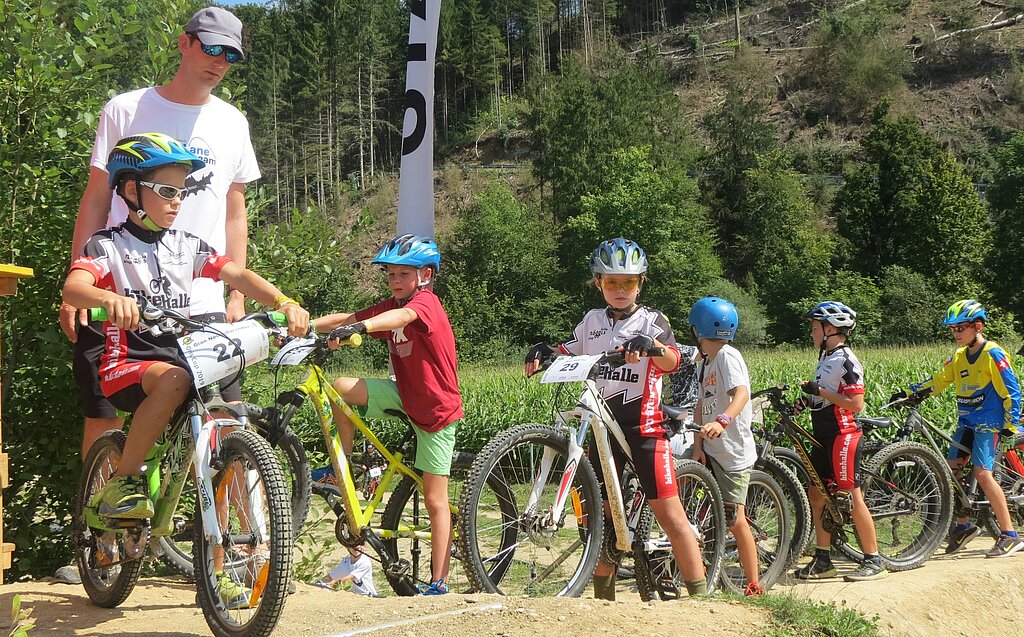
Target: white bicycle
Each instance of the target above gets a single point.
(243, 517)
(531, 520)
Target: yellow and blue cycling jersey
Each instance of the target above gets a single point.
(987, 391)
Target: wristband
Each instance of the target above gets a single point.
(282, 300)
(366, 326)
(724, 419)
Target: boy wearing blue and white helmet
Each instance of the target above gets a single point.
(726, 442)
(834, 398)
(426, 386)
(988, 409)
(619, 267)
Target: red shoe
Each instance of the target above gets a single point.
(754, 589)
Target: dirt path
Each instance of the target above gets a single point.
(963, 595)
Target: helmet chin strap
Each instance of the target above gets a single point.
(148, 223)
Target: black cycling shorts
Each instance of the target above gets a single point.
(652, 460)
(86, 363)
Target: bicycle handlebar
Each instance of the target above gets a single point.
(151, 316)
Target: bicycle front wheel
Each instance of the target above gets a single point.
(251, 497)
(510, 540)
(657, 574)
(907, 490)
(767, 514)
(407, 523)
(800, 515)
(109, 562)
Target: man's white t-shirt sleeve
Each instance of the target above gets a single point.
(248, 168)
(108, 133)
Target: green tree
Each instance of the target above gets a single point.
(658, 209)
(581, 117)
(1006, 201)
(784, 250)
(911, 204)
(499, 276)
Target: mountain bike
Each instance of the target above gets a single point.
(905, 487)
(242, 517)
(532, 520)
(968, 498)
(402, 534)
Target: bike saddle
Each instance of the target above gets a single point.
(869, 424)
(675, 413)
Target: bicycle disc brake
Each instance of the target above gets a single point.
(136, 539)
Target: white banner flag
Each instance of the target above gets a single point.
(416, 177)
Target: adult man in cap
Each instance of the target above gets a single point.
(213, 205)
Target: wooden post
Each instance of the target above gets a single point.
(9, 275)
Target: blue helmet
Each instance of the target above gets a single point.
(713, 317)
(835, 313)
(140, 153)
(967, 311)
(412, 250)
(618, 256)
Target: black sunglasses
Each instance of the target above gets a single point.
(213, 50)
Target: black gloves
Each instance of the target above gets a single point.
(540, 352)
(810, 387)
(900, 395)
(346, 331)
(640, 343)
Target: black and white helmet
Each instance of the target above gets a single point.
(834, 312)
(618, 256)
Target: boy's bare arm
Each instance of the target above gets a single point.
(328, 322)
(740, 397)
(390, 320)
(80, 291)
(256, 287)
(667, 361)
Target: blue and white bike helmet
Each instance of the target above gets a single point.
(412, 250)
(714, 317)
(618, 256)
(834, 313)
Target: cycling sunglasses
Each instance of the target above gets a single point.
(960, 328)
(165, 191)
(620, 285)
(213, 50)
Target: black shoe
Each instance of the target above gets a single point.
(958, 538)
(818, 568)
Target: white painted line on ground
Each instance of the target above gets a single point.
(425, 618)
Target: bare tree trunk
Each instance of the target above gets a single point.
(362, 128)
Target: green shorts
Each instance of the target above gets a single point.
(734, 484)
(434, 450)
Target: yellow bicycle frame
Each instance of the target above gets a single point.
(322, 394)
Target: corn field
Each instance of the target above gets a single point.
(497, 397)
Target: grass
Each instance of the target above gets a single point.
(793, 616)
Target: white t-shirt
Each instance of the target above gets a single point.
(362, 571)
(734, 449)
(218, 133)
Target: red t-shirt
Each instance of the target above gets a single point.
(423, 359)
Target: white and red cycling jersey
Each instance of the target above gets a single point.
(156, 266)
(839, 371)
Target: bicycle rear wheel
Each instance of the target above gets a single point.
(906, 487)
(406, 515)
(252, 502)
(108, 562)
(657, 574)
(512, 548)
(767, 513)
